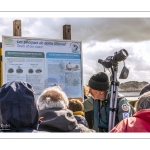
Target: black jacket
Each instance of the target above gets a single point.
(81, 120)
(60, 120)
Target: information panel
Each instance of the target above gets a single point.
(43, 63)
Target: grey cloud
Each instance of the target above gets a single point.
(105, 29)
(141, 65)
(86, 29)
(92, 43)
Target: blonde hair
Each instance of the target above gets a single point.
(86, 90)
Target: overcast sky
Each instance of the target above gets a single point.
(100, 37)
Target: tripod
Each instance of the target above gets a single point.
(113, 97)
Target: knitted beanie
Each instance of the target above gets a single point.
(99, 81)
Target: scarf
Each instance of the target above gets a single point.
(78, 113)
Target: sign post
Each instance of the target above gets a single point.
(17, 28)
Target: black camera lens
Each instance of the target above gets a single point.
(113, 60)
(120, 55)
(124, 53)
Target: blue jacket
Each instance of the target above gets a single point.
(18, 109)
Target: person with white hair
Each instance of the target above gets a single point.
(55, 117)
(140, 121)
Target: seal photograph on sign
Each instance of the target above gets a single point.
(38, 71)
(71, 67)
(11, 70)
(19, 70)
(30, 70)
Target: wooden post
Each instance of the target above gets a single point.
(67, 32)
(17, 28)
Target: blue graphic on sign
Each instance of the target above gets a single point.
(75, 48)
(63, 55)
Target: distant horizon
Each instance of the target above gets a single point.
(135, 81)
(128, 81)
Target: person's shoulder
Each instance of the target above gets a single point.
(122, 99)
(79, 117)
(89, 98)
(121, 96)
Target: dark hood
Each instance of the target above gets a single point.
(57, 119)
(18, 106)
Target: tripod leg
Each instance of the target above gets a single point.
(115, 104)
(113, 100)
(99, 115)
(111, 106)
